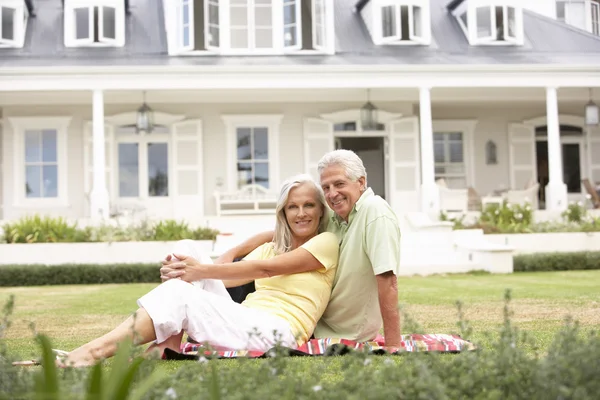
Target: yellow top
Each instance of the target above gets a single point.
(301, 298)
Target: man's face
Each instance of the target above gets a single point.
(340, 192)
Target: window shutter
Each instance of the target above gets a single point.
(188, 200)
(318, 140)
(522, 156)
(404, 164)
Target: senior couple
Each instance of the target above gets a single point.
(331, 274)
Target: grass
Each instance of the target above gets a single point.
(73, 315)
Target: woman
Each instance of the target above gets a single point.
(293, 277)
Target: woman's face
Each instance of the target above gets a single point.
(303, 211)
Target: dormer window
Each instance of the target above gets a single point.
(13, 22)
(91, 23)
(249, 27)
(397, 21)
(490, 22)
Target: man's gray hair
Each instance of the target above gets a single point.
(346, 159)
(283, 233)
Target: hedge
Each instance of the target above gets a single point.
(556, 261)
(86, 274)
(78, 274)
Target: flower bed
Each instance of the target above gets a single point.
(519, 219)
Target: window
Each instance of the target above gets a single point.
(560, 10)
(252, 156)
(94, 23)
(41, 163)
(494, 22)
(13, 22)
(40, 160)
(448, 150)
(595, 16)
(250, 26)
(142, 162)
(404, 23)
(252, 150)
(397, 21)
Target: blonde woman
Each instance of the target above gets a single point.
(293, 277)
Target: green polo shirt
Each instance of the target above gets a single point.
(369, 246)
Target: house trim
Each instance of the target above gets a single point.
(20, 125)
(128, 118)
(574, 120)
(354, 115)
(295, 77)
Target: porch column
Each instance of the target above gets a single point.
(430, 195)
(556, 190)
(99, 195)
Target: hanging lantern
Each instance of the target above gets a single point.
(145, 118)
(368, 116)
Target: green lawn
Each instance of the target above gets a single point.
(72, 315)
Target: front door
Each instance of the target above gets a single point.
(572, 159)
(371, 151)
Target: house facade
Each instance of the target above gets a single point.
(445, 102)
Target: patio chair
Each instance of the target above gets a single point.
(595, 197)
(529, 195)
(454, 200)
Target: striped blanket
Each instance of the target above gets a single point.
(442, 343)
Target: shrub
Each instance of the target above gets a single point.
(505, 369)
(556, 261)
(507, 217)
(78, 274)
(575, 212)
(37, 229)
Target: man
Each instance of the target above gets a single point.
(365, 289)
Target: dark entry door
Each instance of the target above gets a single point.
(371, 150)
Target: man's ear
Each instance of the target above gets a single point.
(363, 183)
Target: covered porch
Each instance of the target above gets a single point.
(434, 148)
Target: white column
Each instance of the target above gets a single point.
(99, 196)
(556, 190)
(430, 194)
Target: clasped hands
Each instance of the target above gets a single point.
(178, 266)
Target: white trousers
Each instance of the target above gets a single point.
(206, 312)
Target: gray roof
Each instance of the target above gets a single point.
(546, 42)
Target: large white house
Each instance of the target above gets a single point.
(449, 103)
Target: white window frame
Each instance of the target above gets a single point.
(467, 128)
(142, 139)
(470, 28)
(21, 16)
(22, 124)
(270, 121)
(594, 6)
(174, 21)
(70, 29)
(423, 39)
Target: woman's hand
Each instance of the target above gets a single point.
(181, 267)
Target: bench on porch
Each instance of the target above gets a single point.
(249, 199)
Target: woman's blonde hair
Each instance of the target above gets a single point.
(283, 232)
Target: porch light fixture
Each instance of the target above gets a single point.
(368, 115)
(592, 113)
(144, 121)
